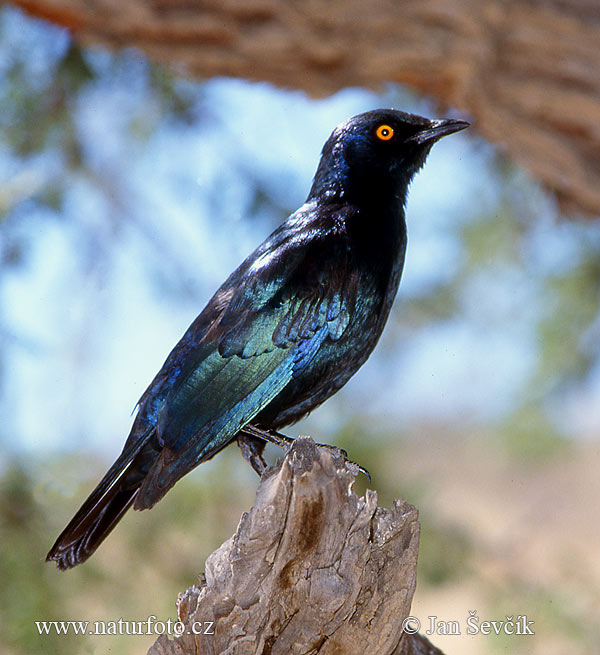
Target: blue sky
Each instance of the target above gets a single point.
(88, 325)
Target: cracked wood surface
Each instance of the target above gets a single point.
(526, 71)
(312, 568)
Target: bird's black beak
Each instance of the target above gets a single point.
(437, 129)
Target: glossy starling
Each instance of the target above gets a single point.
(284, 332)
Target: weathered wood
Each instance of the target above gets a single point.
(312, 568)
(525, 70)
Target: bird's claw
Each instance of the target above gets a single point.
(247, 440)
(353, 466)
(357, 468)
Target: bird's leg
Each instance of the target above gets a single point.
(271, 436)
(251, 432)
(252, 448)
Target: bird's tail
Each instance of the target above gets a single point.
(105, 505)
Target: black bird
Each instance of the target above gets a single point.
(284, 332)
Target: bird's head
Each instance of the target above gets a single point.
(372, 157)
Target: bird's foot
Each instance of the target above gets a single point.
(250, 434)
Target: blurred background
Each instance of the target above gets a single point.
(127, 195)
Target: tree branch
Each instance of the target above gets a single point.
(526, 70)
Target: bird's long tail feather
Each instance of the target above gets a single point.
(103, 508)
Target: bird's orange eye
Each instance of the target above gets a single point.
(384, 132)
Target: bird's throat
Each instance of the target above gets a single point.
(378, 235)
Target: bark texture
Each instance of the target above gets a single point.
(312, 568)
(527, 71)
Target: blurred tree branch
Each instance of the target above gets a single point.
(526, 70)
(311, 568)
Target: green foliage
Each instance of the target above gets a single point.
(553, 612)
(529, 435)
(568, 329)
(27, 593)
(160, 550)
(444, 552)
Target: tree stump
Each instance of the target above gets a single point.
(312, 568)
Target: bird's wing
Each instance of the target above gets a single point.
(269, 321)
